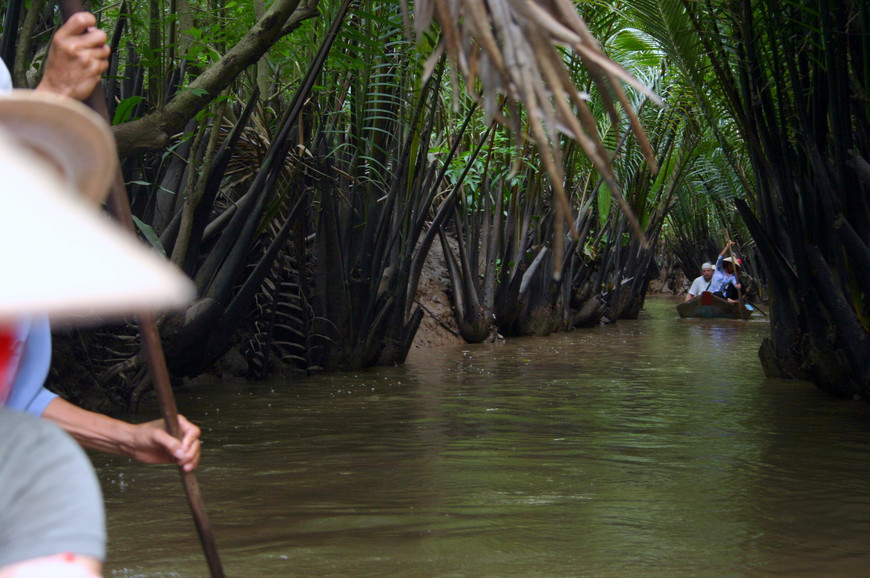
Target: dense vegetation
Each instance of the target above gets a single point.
(298, 160)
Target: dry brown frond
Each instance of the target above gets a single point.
(509, 46)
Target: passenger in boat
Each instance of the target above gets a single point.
(725, 283)
(702, 283)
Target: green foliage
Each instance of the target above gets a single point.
(364, 121)
(605, 198)
(125, 108)
(150, 234)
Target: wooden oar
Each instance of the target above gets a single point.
(759, 309)
(119, 205)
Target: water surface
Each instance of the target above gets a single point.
(652, 447)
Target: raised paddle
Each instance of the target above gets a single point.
(734, 268)
(119, 205)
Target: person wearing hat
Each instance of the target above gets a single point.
(77, 58)
(725, 283)
(702, 283)
(51, 517)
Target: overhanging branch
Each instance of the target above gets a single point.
(152, 131)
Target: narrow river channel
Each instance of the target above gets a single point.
(653, 447)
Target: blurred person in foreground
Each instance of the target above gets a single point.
(51, 513)
(77, 59)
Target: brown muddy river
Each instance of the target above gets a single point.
(653, 447)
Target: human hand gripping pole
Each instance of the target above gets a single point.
(734, 268)
(119, 206)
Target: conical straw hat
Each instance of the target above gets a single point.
(66, 134)
(59, 254)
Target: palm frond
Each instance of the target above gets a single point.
(510, 47)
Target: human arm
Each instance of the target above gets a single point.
(147, 442)
(726, 249)
(77, 58)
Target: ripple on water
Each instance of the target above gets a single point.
(650, 447)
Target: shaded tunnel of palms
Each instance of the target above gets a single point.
(305, 213)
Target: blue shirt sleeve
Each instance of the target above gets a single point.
(28, 392)
(718, 276)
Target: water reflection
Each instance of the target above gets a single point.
(651, 447)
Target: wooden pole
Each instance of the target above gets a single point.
(119, 205)
(734, 268)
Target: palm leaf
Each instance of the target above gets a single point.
(509, 47)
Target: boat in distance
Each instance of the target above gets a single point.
(709, 306)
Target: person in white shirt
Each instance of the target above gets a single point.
(702, 283)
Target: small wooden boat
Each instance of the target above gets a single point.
(710, 306)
